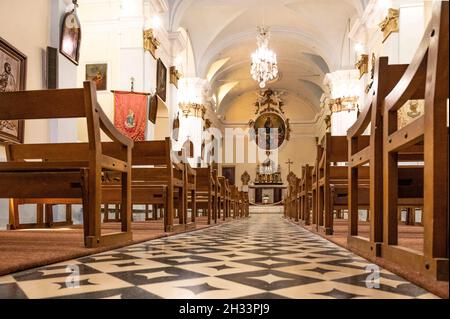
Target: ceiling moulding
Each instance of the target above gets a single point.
(164, 50)
(308, 40)
(367, 25)
(158, 6)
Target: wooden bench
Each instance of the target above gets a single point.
(245, 204)
(290, 200)
(332, 180)
(191, 195)
(158, 168)
(235, 201)
(71, 170)
(226, 197)
(305, 195)
(207, 192)
(363, 151)
(426, 77)
(157, 179)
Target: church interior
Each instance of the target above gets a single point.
(212, 149)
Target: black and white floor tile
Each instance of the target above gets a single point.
(258, 258)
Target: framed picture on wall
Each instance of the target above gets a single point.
(71, 37)
(98, 73)
(161, 80)
(153, 109)
(229, 173)
(13, 68)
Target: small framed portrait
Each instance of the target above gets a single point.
(13, 67)
(161, 80)
(98, 73)
(71, 37)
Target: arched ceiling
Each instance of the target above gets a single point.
(307, 35)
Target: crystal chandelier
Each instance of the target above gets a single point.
(264, 66)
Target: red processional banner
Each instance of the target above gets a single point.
(130, 115)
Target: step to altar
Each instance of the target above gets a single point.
(266, 209)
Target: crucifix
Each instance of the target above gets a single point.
(289, 162)
(132, 84)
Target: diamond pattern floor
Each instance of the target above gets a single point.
(261, 257)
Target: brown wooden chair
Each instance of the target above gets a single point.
(70, 170)
(425, 78)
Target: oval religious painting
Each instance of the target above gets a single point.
(270, 130)
(71, 37)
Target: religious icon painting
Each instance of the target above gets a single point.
(161, 80)
(13, 66)
(98, 73)
(270, 130)
(71, 37)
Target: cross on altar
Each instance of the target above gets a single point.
(289, 162)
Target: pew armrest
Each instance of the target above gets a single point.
(111, 131)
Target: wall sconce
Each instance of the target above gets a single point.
(344, 104)
(363, 65)
(207, 125)
(175, 76)
(193, 109)
(151, 44)
(390, 23)
(327, 121)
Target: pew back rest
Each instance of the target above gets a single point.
(157, 153)
(204, 177)
(57, 104)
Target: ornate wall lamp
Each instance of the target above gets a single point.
(390, 23)
(363, 65)
(175, 76)
(151, 44)
(193, 109)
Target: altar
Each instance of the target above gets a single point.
(265, 194)
(268, 187)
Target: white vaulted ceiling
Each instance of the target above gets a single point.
(307, 35)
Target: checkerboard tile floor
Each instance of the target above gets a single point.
(261, 257)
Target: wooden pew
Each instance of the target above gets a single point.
(363, 152)
(305, 195)
(157, 179)
(70, 170)
(291, 200)
(191, 193)
(206, 189)
(160, 169)
(219, 199)
(236, 201)
(245, 204)
(426, 77)
(332, 180)
(226, 196)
